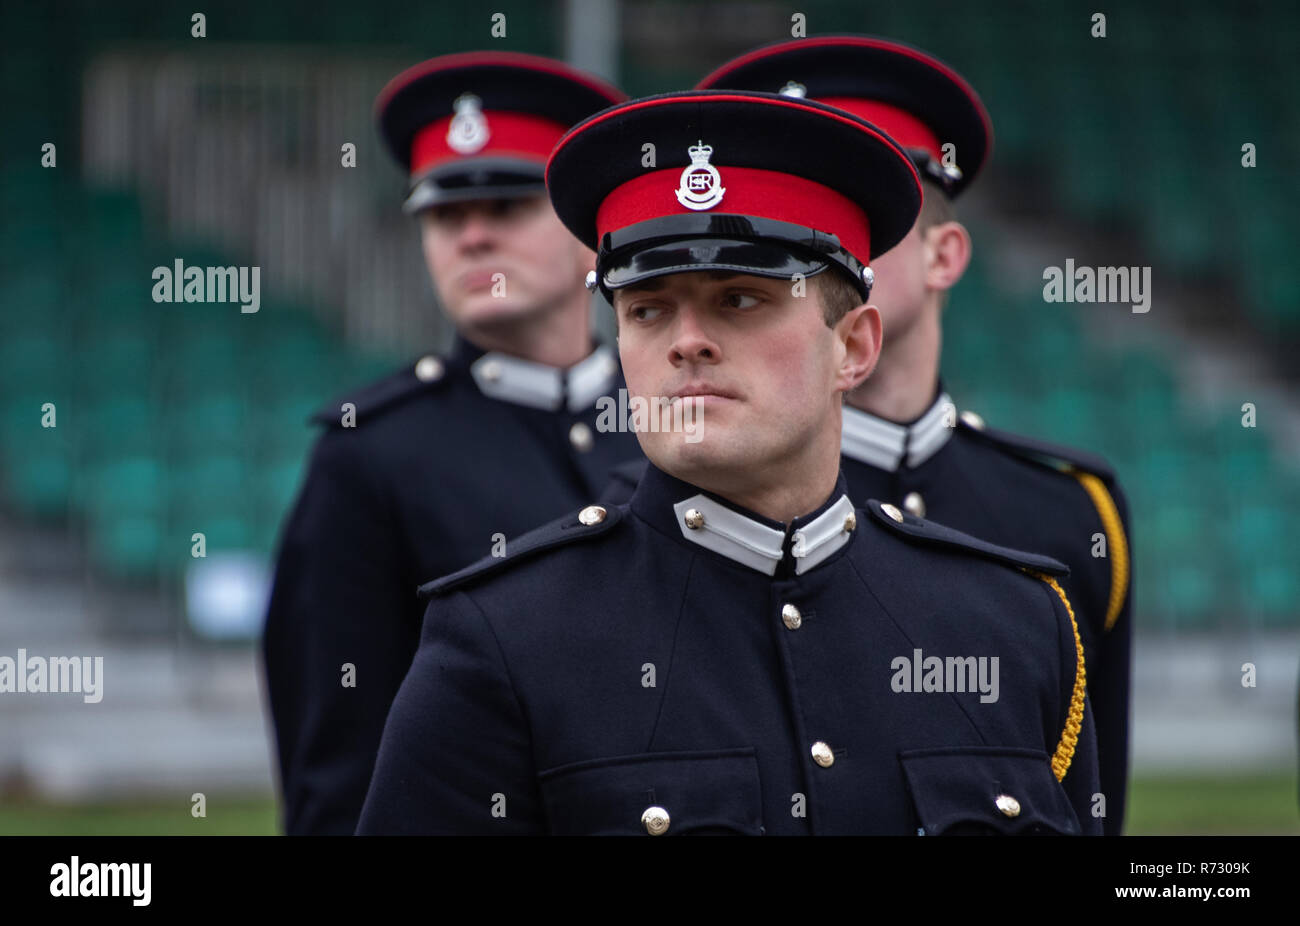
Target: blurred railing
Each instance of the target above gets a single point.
(242, 148)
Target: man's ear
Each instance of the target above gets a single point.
(947, 254)
(860, 332)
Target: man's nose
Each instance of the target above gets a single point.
(476, 232)
(692, 343)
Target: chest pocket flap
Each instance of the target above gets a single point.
(671, 793)
(985, 790)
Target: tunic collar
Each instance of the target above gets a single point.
(537, 385)
(885, 445)
(704, 519)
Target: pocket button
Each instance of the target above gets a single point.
(655, 820)
(1008, 805)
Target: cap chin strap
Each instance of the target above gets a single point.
(945, 175)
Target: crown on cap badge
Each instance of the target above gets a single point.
(468, 131)
(700, 186)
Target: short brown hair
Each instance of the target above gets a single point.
(936, 207)
(838, 293)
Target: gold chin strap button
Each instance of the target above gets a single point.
(592, 514)
(655, 820)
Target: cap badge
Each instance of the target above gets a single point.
(700, 187)
(794, 89)
(468, 131)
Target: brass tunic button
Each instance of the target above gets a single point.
(914, 503)
(822, 754)
(694, 518)
(592, 514)
(1008, 805)
(655, 820)
(850, 522)
(791, 617)
(892, 512)
(972, 420)
(580, 437)
(428, 369)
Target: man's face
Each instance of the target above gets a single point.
(900, 288)
(498, 261)
(767, 370)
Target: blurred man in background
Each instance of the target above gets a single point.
(903, 441)
(432, 468)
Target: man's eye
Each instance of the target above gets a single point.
(447, 215)
(644, 313)
(740, 301)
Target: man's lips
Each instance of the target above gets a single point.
(476, 279)
(700, 391)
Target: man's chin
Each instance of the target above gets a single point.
(698, 462)
(484, 311)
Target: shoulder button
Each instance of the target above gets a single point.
(592, 514)
(972, 420)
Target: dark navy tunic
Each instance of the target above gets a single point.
(623, 671)
(1030, 495)
(446, 459)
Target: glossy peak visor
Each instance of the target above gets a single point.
(737, 243)
(476, 178)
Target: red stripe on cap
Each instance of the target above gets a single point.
(615, 112)
(902, 126)
(509, 134)
(767, 194)
(856, 41)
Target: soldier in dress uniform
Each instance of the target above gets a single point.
(903, 439)
(430, 469)
(740, 649)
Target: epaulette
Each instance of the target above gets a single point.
(1036, 450)
(935, 534)
(1093, 474)
(591, 521)
(426, 373)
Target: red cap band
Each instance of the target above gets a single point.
(899, 124)
(516, 135)
(766, 194)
